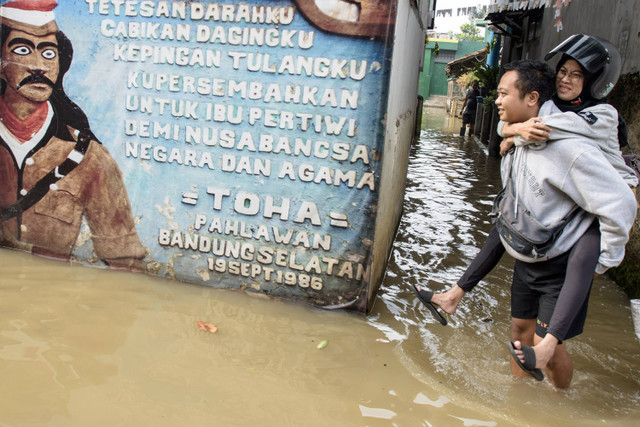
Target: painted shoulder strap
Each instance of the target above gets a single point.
(48, 181)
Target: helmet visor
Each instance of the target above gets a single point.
(587, 51)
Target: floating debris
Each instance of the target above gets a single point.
(323, 344)
(207, 327)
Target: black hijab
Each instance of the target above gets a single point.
(584, 100)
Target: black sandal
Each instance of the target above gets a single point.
(425, 296)
(529, 365)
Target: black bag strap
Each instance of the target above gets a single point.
(632, 160)
(43, 186)
(495, 212)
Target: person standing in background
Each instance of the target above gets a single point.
(469, 107)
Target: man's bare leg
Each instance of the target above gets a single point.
(448, 301)
(560, 368)
(522, 331)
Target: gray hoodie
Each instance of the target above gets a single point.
(573, 171)
(599, 122)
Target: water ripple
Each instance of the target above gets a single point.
(450, 187)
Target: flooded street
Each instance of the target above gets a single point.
(86, 347)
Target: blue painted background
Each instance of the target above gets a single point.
(98, 84)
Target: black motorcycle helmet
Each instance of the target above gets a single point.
(597, 56)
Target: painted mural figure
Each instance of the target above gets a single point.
(53, 170)
(360, 18)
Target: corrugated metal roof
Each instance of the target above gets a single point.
(468, 62)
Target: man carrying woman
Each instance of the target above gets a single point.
(555, 303)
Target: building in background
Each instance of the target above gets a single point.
(452, 14)
(438, 53)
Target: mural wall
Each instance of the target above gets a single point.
(229, 144)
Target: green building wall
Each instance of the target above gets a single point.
(433, 79)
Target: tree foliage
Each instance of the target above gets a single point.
(487, 75)
(469, 32)
(466, 79)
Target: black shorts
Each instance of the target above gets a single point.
(534, 293)
(469, 117)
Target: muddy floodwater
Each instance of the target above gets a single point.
(87, 347)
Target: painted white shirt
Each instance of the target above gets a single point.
(21, 149)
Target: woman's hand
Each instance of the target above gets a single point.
(533, 130)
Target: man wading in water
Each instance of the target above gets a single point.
(572, 172)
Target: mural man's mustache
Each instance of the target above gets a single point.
(35, 78)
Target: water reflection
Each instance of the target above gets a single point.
(84, 347)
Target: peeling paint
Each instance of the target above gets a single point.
(204, 274)
(146, 166)
(154, 267)
(167, 211)
(85, 234)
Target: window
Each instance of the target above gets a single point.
(445, 56)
